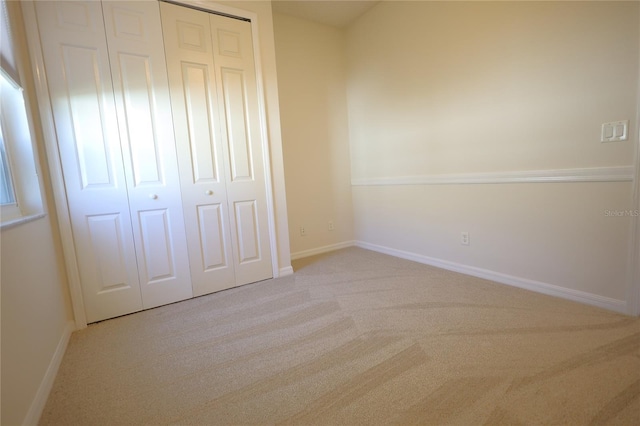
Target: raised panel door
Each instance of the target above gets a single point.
(136, 50)
(242, 137)
(77, 67)
(201, 153)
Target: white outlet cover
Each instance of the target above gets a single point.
(615, 131)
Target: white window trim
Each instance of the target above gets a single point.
(22, 154)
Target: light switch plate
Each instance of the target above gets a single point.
(615, 131)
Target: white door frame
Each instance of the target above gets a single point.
(633, 294)
(53, 155)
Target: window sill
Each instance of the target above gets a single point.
(21, 221)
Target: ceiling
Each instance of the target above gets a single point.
(335, 13)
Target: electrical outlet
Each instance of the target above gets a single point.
(464, 238)
(303, 231)
(331, 227)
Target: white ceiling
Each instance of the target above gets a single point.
(335, 13)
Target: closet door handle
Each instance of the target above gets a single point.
(153, 196)
(208, 192)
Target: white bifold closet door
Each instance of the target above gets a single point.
(107, 78)
(215, 110)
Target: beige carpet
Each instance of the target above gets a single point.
(355, 337)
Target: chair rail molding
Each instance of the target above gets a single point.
(593, 174)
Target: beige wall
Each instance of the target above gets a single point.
(441, 88)
(35, 309)
(451, 87)
(35, 312)
(315, 134)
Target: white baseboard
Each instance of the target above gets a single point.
(323, 249)
(39, 401)
(524, 283)
(283, 272)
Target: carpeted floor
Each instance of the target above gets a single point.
(355, 337)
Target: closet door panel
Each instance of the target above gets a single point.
(84, 84)
(196, 89)
(246, 219)
(106, 238)
(140, 121)
(201, 154)
(211, 222)
(246, 186)
(79, 80)
(158, 252)
(235, 108)
(136, 50)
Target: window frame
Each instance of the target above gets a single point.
(19, 132)
(5, 170)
